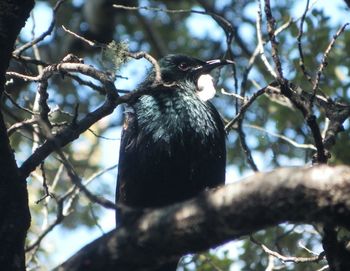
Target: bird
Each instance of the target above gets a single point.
(173, 138)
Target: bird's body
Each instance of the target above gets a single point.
(172, 148)
(173, 141)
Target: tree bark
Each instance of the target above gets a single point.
(152, 237)
(14, 211)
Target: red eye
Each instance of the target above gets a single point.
(183, 66)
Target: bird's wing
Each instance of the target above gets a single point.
(125, 161)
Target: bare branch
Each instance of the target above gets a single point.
(244, 108)
(59, 218)
(48, 32)
(239, 120)
(323, 268)
(77, 181)
(300, 48)
(161, 10)
(321, 156)
(70, 133)
(249, 67)
(61, 212)
(45, 185)
(66, 67)
(286, 259)
(87, 41)
(20, 125)
(244, 145)
(8, 95)
(66, 136)
(287, 139)
(324, 60)
(261, 43)
(138, 55)
(29, 60)
(271, 22)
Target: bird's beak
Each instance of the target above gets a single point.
(205, 83)
(210, 65)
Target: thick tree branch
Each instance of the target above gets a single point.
(336, 251)
(298, 195)
(14, 212)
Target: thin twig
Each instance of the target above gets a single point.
(161, 9)
(102, 137)
(285, 138)
(29, 60)
(271, 23)
(307, 249)
(87, 41)
(244, 145)
(78, 182)
(270, 263)
(245, 107)
(285, 259)
(89, 84)
(300, 48)
(321, 156)
(18, 125)
(48, 32)
(284, 26)
(138, 55)
(44, 108)
(76, 189)
(70, 67)
(261, 42)
(249, 67)
(45, 185)
(323, 268)
(229, 31)
(59, 218)
(40, 105)
(8, 95)
(95, 218)
(324, 61)
(237, 96)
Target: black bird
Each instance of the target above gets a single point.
(173, 139)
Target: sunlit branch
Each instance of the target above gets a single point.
(286, 259)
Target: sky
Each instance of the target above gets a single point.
(201, 26)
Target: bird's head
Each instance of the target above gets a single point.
(181, 68)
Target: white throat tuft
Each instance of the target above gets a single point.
(206, 89)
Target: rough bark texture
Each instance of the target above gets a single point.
(299, 195)
(14, 212)
(337, 252)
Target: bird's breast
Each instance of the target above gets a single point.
(175, 118)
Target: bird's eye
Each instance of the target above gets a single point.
(183, 66)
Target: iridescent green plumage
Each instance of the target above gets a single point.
(173, 142)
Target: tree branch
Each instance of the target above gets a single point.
(14, 211)
(152, 237)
